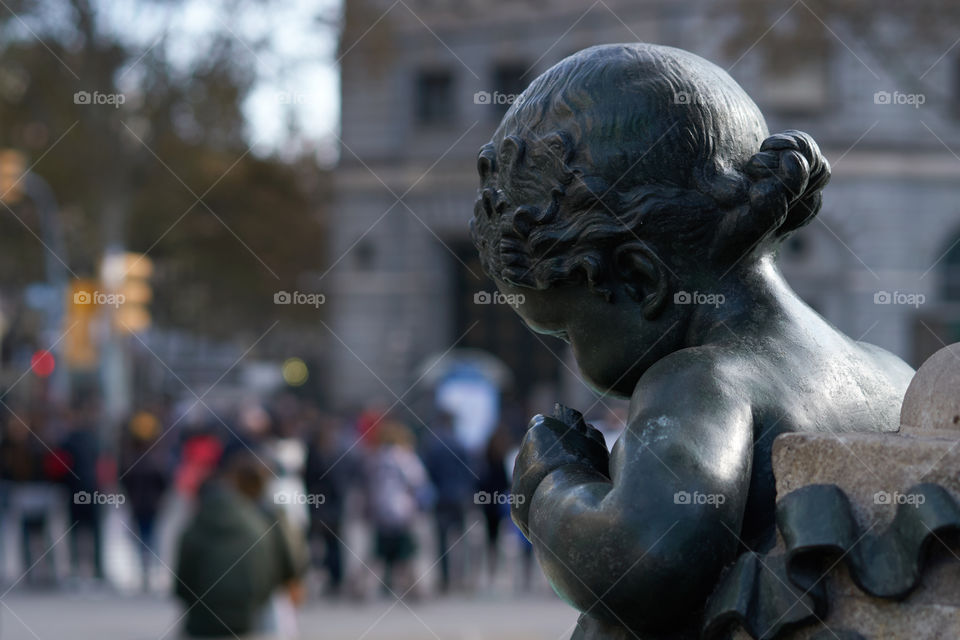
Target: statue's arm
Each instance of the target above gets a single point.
(648, 542)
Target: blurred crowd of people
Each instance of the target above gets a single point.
(51, 466)
(270, 499)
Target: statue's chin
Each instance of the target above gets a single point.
(621, 386)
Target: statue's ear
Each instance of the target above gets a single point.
(644, 277)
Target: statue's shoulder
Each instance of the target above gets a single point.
(891, 364)
(709, 364)
(708, 376)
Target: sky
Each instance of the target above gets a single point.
(297, 70)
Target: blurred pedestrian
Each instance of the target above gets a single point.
(446, 460)
(27, 497)
(251, 430)
(200, 452)
(240, 565)
(82, 449)
(368, 423)
(144, 470)
(398, 488)
(287, 453)
(327, 475)
(494, 487)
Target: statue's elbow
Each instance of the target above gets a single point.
(645, 587)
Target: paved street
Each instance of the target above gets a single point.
(45, 616)
(75, 613)
(492, 611)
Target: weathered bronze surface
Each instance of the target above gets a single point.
(635, 197)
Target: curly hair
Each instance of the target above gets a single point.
(631, 143)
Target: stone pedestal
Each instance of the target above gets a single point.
(876, 473)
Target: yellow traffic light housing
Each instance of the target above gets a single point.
(126, 276)
(13, 164)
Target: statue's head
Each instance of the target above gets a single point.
(627, 173)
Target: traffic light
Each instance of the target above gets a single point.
(125, 277)
(79, 341)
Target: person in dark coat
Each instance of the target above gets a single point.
(494, 482)
(21, 484)
(327, 473)
(446, 460)
(144, 475)
(82, 449)
(235, 555)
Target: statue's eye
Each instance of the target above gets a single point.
(560, 146)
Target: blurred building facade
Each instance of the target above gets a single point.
(425, 82)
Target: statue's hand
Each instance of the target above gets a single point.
(550, 443)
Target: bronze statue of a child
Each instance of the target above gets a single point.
(634, 196)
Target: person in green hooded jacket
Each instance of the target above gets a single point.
(235, 554)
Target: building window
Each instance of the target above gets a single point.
(434, 96)
(364, 254)
(509, 81)
(955, 87)
(950, 272)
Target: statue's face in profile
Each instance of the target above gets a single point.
(613, 339)
(612, 342)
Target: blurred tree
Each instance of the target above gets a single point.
(168, 171)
